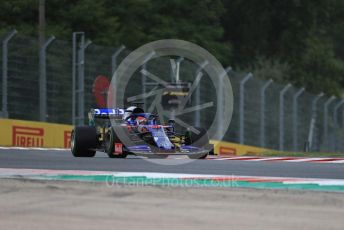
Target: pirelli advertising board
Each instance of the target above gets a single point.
(34, 134)
(227, 149)
(47, 135)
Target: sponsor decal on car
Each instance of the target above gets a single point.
(109, 111)
(118, 148)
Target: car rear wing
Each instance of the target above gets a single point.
(107, 113)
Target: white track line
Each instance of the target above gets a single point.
(270, 159)
(37, 173)
(307, 159)
(234, 158)
(283, 159)
(33, 148)
(336, 162)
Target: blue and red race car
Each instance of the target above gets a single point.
(120, 132)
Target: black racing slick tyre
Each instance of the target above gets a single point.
(84, 141)
(111, 139)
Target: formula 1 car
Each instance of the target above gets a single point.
(119, 132)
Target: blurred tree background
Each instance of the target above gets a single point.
(297, 41)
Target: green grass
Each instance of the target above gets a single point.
(299, 154)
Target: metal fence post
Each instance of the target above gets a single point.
(325, 123)
(313, 120)
(74, 69)
(178, 62)
(296, 118)
(144, 89)
(175, 69)
(174, 75)
(144, 79)
(220, 118)
(281, 116)
(4, 72)
(314, 103)
(241, 108)
(114, 58)
(342, 129)
(81, 82)
(335, 119)
(335, 112)
(43, 80)
(198, 95)
(262, 112)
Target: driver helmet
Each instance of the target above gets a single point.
(128, 112)
(141, 120)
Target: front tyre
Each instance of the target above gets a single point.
(111, 140)
(84, 141)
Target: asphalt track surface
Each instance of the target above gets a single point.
(63, 160)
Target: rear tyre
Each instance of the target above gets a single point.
(84, 141)
(111, 139)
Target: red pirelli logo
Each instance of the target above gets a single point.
(66, 138)
(27, 136)
(226, 151)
